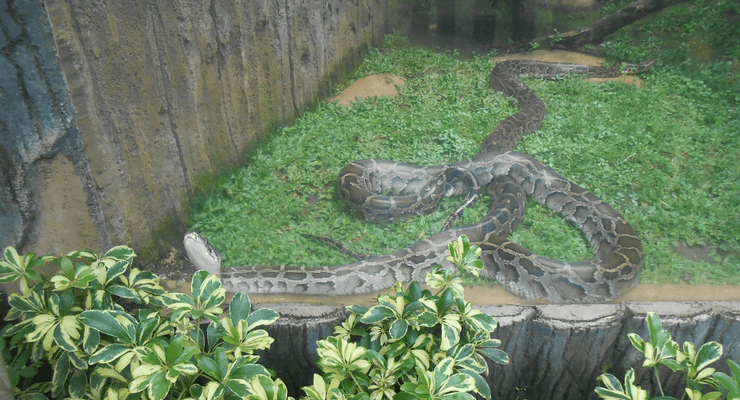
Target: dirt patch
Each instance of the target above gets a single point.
(174, 267)
(700, 49)
(695, 253)
(496, 295)
(554, 56)
(370, 86)
(679, 292)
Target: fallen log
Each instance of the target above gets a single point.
(595, 33)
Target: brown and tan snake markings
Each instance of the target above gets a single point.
(509, 177)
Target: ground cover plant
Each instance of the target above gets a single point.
(665, 156)
(703, 381)
(101, 328)
(414, 344)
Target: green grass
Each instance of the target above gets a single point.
(667, 157)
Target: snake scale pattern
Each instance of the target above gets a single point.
(509, 177)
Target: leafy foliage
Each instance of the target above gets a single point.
(107, 332)
(413, 344)
(660, 349)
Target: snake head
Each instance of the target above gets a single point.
(202, 253)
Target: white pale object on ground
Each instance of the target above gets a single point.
(202, 254)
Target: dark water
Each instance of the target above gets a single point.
(481, 26)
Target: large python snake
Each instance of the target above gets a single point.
(509, 177)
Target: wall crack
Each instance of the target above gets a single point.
(166, 87)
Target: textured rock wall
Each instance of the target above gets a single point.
(45, 184)
(112, 111)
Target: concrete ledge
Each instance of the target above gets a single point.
(556, 351)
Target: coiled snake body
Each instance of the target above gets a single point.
(509, 178)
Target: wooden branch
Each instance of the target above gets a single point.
(597, 31)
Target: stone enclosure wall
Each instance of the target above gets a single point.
(112, 111)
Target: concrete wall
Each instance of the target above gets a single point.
(112, 111)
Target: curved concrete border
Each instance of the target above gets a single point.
(556, 351)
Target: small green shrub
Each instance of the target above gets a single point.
(660, 349)
(414, 344)
(98, 330)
